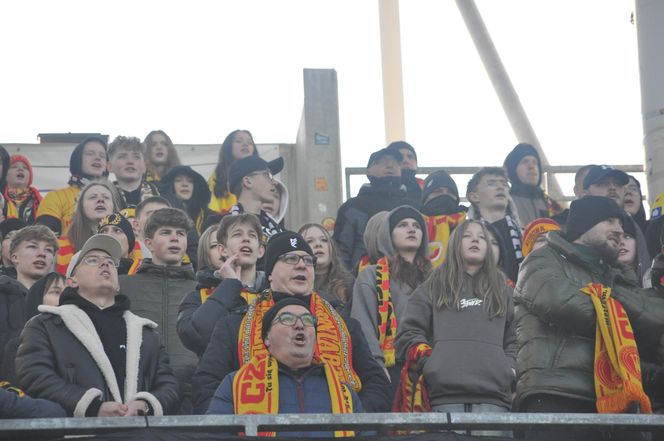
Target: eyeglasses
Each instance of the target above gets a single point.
(293, 259)
(289, 319)
(98, 260)
(266, 173)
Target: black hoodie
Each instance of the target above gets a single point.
(197, 206)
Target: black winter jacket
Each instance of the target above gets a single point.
(12, 312)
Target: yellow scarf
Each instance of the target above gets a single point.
(256, 391)
(617, 365)
(412, 396)
(439, 229)
(333, 342)
(246, 295)
(387, 321)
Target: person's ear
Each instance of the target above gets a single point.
(223, 250)
(266, 342)
(473, 197)
(14, 259)
(71, 282)
(148, 243)
(261, 251)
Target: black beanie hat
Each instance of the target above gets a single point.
(9, 225)
(587, 212)
(404, 212)
(118, 220)
(398, 145)
(375, 156)
(76, 158)
(438, 179)
(515, 156)
(282, 243)
(271, 313)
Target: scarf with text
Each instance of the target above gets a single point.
(387, 321)
(256, 391)
(439, 228)
(617, 364)
(333, 342)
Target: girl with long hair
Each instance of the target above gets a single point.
(160, 155)
(237, 145)
(458, 332)
(382, 290)
(96, 200)
(332, 280)
(186, 189)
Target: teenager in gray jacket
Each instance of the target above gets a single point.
(463, 316)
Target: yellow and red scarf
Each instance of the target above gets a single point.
(246, 295)
(617, 364)
(412, 396)
(439, 229)
(256, 390)
(387, 321)
(333, 342)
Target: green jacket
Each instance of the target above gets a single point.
(555, 322)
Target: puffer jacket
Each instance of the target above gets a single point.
(155, 293)
(555, 322)
(473, 354)
(58, 360)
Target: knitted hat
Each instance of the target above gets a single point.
(515, 156)
(375, 156)
(118, 220)
(76, 158)
(436, 180)
(271, 313)
(587, 212)
(398, 145)
(599, 172)
(282, 243)
(245, 166)
(405, 212)
(20, 158)
(534, 230)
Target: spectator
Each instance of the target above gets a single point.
(488, 193)
(579, 177)
(117, 226)
(161, 155)
(442, 212)
(627, 249)
(534, 235)
(408, 164)
(91, 354)
(86, 163)
(633, 203)
(370, 239)
(233, 286)
(278, 206)
(4, 168)
(556, 317)
(237, 145)
(332, 280)
(97, 200)
(458, 331)
(384, 192)
(208, 254)
(127, 162)
(21, 198)
(499, 250)
(32, 252)
(251, 180)
(187, 190)
(655, 277)
(524, 169)
(8, 228)
(381, 291)
(16, 405)
(295, 380)
(289, 266)
(160, 284)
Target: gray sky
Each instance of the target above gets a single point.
(200, 69)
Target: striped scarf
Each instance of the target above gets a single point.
(412, 396)
(439, 228)
(387, 321)
(246, 295)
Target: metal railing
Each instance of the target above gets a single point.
(251, 425)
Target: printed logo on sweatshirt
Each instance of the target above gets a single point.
(465, 303)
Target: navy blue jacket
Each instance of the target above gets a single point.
(13, 406)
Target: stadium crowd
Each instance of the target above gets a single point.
(165, 293)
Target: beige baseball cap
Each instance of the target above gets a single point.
(103, 242)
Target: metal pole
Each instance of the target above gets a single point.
(650, 33)
(503, 86)
(390, 48)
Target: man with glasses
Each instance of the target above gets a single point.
(488, 192)
(236, 340)
(289, 367)
(91, 354)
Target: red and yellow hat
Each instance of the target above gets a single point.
(534, 230)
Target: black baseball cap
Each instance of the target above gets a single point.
(243, 167)
(599, 172)
(387, 151)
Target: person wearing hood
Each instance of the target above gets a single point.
(21, 198)
(633, 203)
(370, 239)
(231, 286)
(442, 212)
(186, 189)
(159, 286)
(87, 162)
(524, 169)
(278, 206)
(382, 291)
(91, 354)
(383, 192)
(8, 229)
(412, 183)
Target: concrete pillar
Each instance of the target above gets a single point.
(650, 32)
(502, 84)
(390, 48)
(317, 194)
